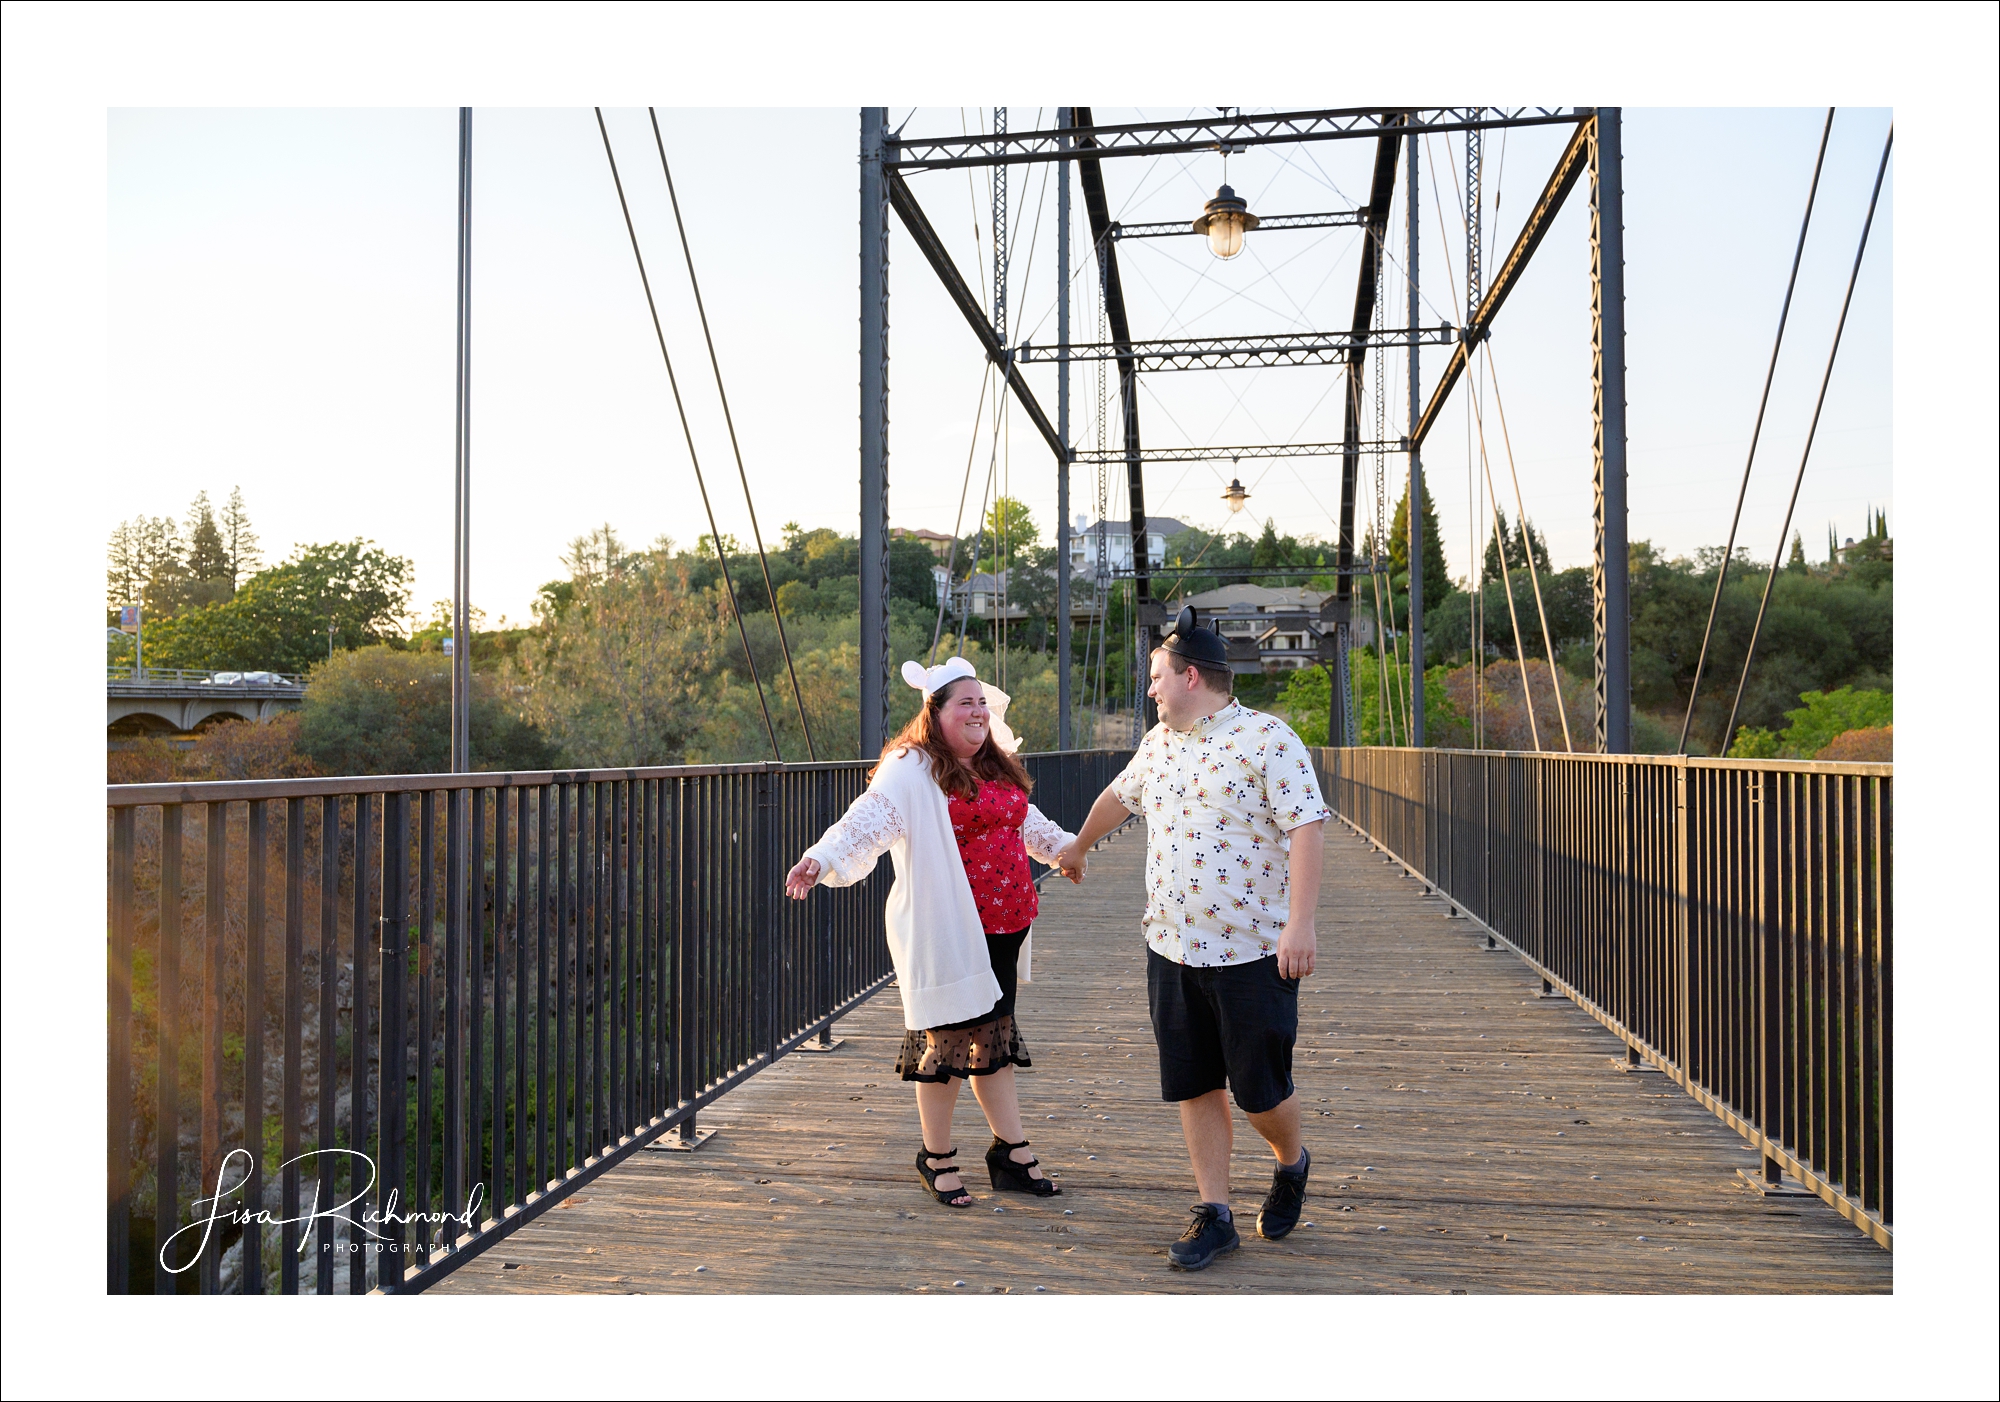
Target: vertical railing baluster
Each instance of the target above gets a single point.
(327, 1038)
(544, 1094)
(364, 957)
(292, 1111)
(586, 916)
(454, 1004)
(118, 1060)
(394, 925)
(167, 1048)
(215, 840)
(475, 1006)
(256, 840)
(763, 940)
(426, 936)
(499, 1101)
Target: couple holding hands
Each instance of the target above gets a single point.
(1233, 819)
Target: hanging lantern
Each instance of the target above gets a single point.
(1235, 496)
(1225, 219)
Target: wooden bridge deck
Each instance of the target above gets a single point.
(1466, 1136)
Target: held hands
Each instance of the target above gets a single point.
(802, 878)
(1073, 861)
(1298, 949)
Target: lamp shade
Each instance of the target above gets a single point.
(1225, 219)
(1236, 495)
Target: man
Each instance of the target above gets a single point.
(1233, 821)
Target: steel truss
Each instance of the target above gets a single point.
(1220, 352)
(1234, 132)
(1237, 454)
(1593, 148)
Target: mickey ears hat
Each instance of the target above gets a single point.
(1191, 642)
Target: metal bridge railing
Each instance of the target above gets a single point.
(394, 1018)
(1729, 919)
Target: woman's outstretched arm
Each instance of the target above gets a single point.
(848, 850)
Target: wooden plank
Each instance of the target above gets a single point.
(1466, 1136)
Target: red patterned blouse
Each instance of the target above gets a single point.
(988, 830)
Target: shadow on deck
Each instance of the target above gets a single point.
(1467, 1136)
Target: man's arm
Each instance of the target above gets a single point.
(1105, 814)
(1298, 947)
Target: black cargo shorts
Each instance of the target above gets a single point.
(1233, 1024)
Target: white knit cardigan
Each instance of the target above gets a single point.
(935, 936)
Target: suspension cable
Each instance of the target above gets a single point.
(951, 564)
(1520, 506)
(715, 363)
(1778, 556)
(1528, 547)
(1756, 432)
(714, 534)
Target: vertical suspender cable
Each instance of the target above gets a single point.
(461, 511)
(1778, 555)
(715, 363)
(714, 534)
(958, 523)
(1756, 432)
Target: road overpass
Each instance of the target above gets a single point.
(182, 702)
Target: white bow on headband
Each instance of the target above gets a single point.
(930, 681)
(935, 679)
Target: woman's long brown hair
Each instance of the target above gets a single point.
(960, 778)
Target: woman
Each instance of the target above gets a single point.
(949, 803)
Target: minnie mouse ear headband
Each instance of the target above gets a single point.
(930, 681)
(1192, 643)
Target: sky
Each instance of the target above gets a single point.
(282, 313)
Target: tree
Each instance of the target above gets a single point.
(279, 618)
(625, 672)
(125, 565)
(378, 710)
(207, 555)
(1524, 542)
(1796, 561)
(238, 540)
(1437, 577)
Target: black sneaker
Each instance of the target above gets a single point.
(1285, 1202)
(1207, 1237)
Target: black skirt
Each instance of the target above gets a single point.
(980, 1045)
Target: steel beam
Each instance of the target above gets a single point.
(1220, 352)
(1381, 189)
(1416, 512)
(1239, 452)
(1064, 739)
(1268, 223)
(1232, 132)
(932, 247)
(1090, 174)
(1610, 599)
(1561, 181)
(875, 432)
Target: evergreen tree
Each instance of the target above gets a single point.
(238, 540)
(1437, 578)
(1797, 559)
(207, 553)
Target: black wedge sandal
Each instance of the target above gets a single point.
(1011, 1177)
(950, 1197)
